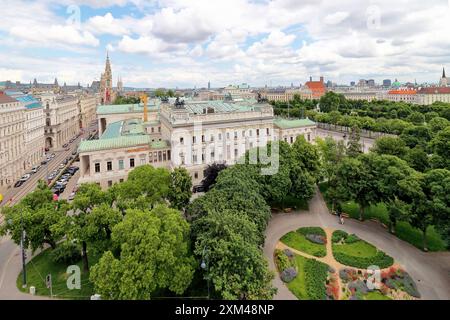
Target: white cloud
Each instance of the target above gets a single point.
(336, 18)
(55, 35)
(107, 25)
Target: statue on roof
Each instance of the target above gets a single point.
(228, 97)
(260, 99)
(179, 104)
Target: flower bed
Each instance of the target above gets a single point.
(395, 284)
(306, 278)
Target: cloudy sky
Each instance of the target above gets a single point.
(186, 43)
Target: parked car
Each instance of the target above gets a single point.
(52, 155)
(74, 168)
(65, 145)
(18, 184)
(35, 169)
(61, 182)
(62, 165)
(71, 196)
(74, 152)
(43, 162)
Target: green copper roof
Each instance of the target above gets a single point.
(295, 123)
(114, 143)
(112, 131)
(125, 108)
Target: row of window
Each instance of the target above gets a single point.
(154, 157)
(236, 134)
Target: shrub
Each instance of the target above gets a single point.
(359, 286)
(381, 260)
(409, 286)
(347, 274)
(338, 236)
(288, 253)
(352, 239)
(315, 238)
(316, 276)
(288, 274)
(66, 252)
(282, 261)
(312, 230)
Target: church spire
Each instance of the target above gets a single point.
(443, 72)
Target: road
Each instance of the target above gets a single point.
(10, 257)
(366, 143)
(430, 270)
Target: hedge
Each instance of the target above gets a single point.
(316, 276)
(381, 260)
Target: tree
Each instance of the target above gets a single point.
(306, 156)
(36, 214)
(390, 145)
(99, 225)
(89, 196)
(153, 254)
(418, 159)
(159, 93)
(38, 224)
(331, 101)
(357, 183)
(437, 124)
(236, 266)
(211, 173)
(354, 147)
(437, 191)
(145, 188)
(441, 147)
(416, 118)
(180, 190)
(416, 135)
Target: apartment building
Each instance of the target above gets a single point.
(12, 140)
(61, 118)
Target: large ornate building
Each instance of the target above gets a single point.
(106, 90)
(192, 135)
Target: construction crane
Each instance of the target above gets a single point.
(144, 100)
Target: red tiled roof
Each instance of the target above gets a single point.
(6, 99)
(435, 90)
(402, 91)
(317, 87)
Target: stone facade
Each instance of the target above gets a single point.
(61, 119)
(12, 141)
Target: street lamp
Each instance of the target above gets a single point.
(204, 266)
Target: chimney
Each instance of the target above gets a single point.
(321, 79)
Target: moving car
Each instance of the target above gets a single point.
(18, 184)
(25, 177)
(65, 145)
(62, 165)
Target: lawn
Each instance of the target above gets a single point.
(354, 252)
(376, 295)
(357, 249)
(298, 241)
(42, 265)
(403, 229)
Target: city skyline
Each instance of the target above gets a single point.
(185, 43)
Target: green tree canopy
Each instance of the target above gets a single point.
(154, 254)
